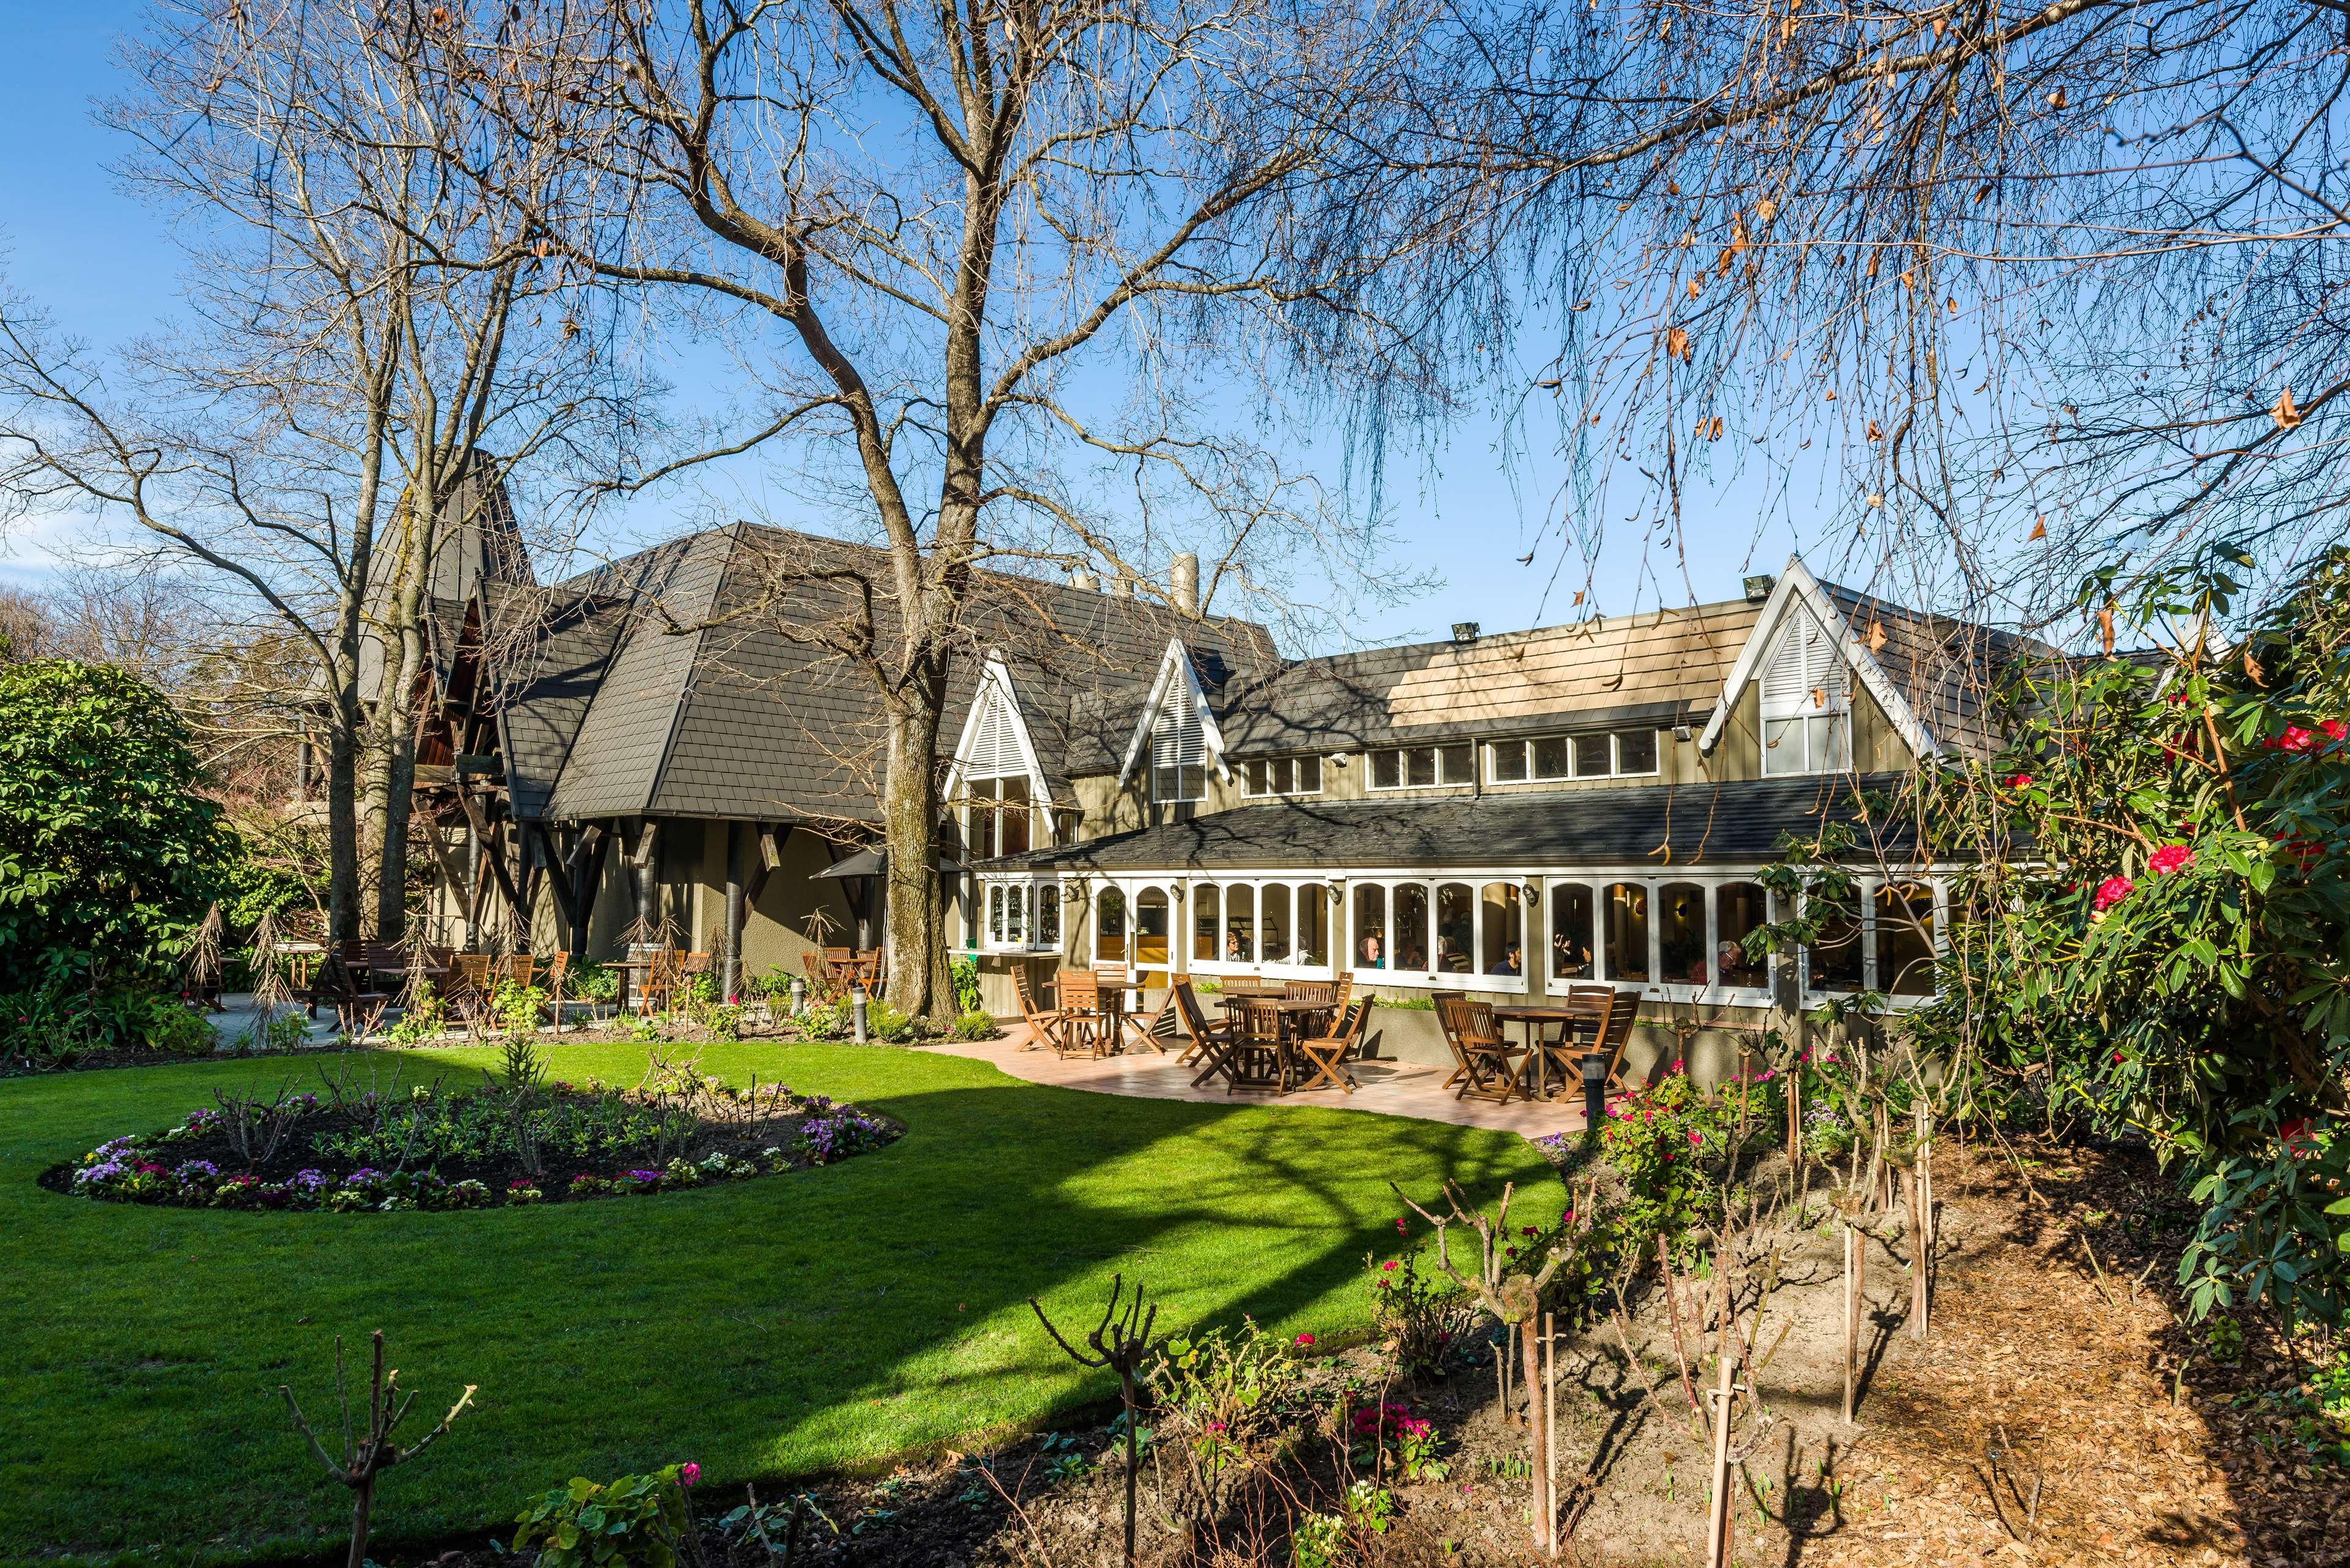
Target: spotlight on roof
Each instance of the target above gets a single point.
(1759, 589)
(1464, 631)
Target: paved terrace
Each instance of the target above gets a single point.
(1388, 1087)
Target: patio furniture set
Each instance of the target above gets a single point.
(1594, 1021)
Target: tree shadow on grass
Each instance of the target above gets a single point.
(779, 1327)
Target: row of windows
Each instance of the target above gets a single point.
(1281, 775)
(1619, 753)
(1679, 933)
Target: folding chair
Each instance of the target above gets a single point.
(469, 985)
(557, 968)
(1084, 1027)
(1210, 1042)
(659, 990)
(1257, 1058)
(1327, 1054)
(1044, 1023)
(1487, 1072)
(1148, 1031)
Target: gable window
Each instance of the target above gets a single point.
(1178, 748)
(1424, 767)
(1281, 775)
(1807, 713)
(998, 816)
(1608, 754)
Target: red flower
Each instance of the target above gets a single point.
(2170, 857)
(2112, 891)
(2020, 781)
(1387, 1267)
(1401, 1229)
(2294, 738)
(1305, 1339)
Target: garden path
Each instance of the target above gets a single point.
(1392, 1088)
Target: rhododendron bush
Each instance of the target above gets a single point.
(2160, 925)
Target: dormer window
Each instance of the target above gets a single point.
(1806, 705)
(1178, 749)
(1281, 775)
(997, 792)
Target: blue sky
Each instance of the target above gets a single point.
(99, 262)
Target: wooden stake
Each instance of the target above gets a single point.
(1550, 1434)
(1851, 1314)
(1915, 1185)
(1716, 1534)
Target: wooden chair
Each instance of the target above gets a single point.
(1158, 1027)
(822, 985)
(1310, 990)
(1210, 1042)
(1250, 985)
(1327, 1054)
(1044, 1023)
(1615, 1032)
(868, 974)
(1084, 1027)
(1485, 1069)
(468, 991)
(659, 990)
(1260, 1058)
(517, 971)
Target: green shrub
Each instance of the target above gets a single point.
(594, 983)
(1425, 1316)
(52, 1025)
(977, 1024)
(1668, 1145)
(110, 852)
(636, 1521)
(965, 972)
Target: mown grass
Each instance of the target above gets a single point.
(820, 1320)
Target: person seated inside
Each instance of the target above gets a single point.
(1570, 959)
(1234, 951)
(1370, 948)
(1409, 957)
(1510, 963)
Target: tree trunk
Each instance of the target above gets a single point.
(343, 819)
(918, 980)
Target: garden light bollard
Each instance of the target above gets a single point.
(799, 996)
(857, 1007)
(1595, 1092)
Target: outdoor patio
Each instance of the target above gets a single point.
(1390, 1088)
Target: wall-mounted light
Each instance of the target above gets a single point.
(1338, 759)
(1684, 733)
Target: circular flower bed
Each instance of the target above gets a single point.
(425, 1148)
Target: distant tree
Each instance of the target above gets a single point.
(108, 853)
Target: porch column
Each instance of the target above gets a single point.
(729, 980)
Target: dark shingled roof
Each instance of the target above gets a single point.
(709, 676)
(1943, 666)
(1662, 826)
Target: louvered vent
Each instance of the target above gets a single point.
(1805, 675)
(995, 749)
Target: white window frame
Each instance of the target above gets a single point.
(1256, 884)
(1615, 769)
(1030, 894)
(1246, 770)
(1818, 698)
(1866, 889)
(1371, 768)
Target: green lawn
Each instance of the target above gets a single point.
(778, 1326)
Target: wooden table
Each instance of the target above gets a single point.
(1105, 1025)
(1542, 1053)
(1291, 1009)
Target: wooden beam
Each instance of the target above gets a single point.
(590, 874)
(771, 839)
(559, 871)
(493, 852)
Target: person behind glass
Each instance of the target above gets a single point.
(1569, 959)
(1233, 952)
(1511, 962)
(1370, 948)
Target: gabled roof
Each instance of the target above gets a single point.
(1656, 666)
(1662, 827)
(1931, 674)
(1178, 678)
(710, 676)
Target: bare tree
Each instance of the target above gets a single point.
(962, 251)
(351, 347)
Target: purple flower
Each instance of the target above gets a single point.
(688, 1473)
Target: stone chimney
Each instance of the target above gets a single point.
(1183, 582)
(1122, 586)
(1081, 578)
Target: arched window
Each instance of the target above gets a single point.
(1109, 925)
(1806, 718)
(1502, 929)
(1240, 923)
(1739, 910)
(1626, 916)
(995, 913)
(1570, 931)
(1048, 915)
(1905, 939)
(1680, 934)
(1832, 961)
(1370, 945)
(1205, 923)
(1272, 924)
(1456, 930)
(1412, 944)
(1150, 928)
(1313, 942)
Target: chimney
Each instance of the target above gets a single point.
(1464, 631)
(1082, 579)
(1183, 582)
(1122, 586)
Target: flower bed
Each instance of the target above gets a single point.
(425, 1148)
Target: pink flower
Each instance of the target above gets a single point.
(1695, 1137)
(1677, 1066)
(2020, 781)
(1401, 1229)
(2112, 891)
(2170, 857)
(1387, 1267)
(1526, 1230)
(1305, 1339)
(688, 1473)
